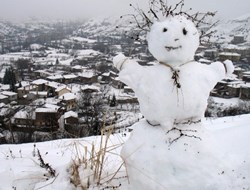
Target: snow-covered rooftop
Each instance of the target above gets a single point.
(78, 67)
(24, 114)
(204, 60)
(51, 106)
(39, 81)
(233, 46)
(70, 114)
(3, 97)
(49, 110)
(8, 93)
(62, 87)
(87, 52)
(106, 74)
(54, 84)
(67, 96)
(80, 39)
(55, 77)
(86, 74)
(91, 87)
(69, 76)
(66, 61)
(229, 54)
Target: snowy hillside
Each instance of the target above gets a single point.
(21, 168)
(239, 26)
(106, 27)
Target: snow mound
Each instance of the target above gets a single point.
(189, 157)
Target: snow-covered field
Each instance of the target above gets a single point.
(21, 169)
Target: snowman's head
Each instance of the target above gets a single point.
(173, 40)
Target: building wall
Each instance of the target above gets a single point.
(245, 93)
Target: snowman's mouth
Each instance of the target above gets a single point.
(170, 48)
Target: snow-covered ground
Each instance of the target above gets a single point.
(21, 169)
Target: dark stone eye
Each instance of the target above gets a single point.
(164, 30)
(184, 31)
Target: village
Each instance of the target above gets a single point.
(66, 86)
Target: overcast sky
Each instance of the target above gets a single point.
(71, 9)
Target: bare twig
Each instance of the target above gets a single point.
(182, 133)
(158, 9)
(51, 171)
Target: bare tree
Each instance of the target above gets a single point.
(92, 106)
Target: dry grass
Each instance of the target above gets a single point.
(88, 167)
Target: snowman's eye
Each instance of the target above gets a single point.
(164, 30)
(184, 31)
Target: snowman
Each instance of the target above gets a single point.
(175, 89)
(168, 149)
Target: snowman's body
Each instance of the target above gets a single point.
(160, 99)
(172, 154)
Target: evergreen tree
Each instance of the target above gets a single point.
(57, 61)
(6, 77)
(113, 101)
(10, 78)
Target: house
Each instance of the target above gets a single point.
(113, 74)
(245, 92)
(51, 87)
(77, 68)
(87, 77)
(116, 83)
(24, 117)
(90, 89)
(246, 76)
(234, 57)
(71, 118)
(234, 90)
(128, 90)
(105, 78)
(211, 54)
(56, 78)
(70, 78)
(69, 99)
(126, 99)
(205, 61)
(238, 39)
(71, 123)
(4, 99)
(22, 91)
(41, 74)
(40, 83)
(4, 87)
(12, 96)
(244, 51)
(239, 72)
(46, 117)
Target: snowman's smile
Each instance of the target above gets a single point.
(170, 48)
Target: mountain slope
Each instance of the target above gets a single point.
(227, 29)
